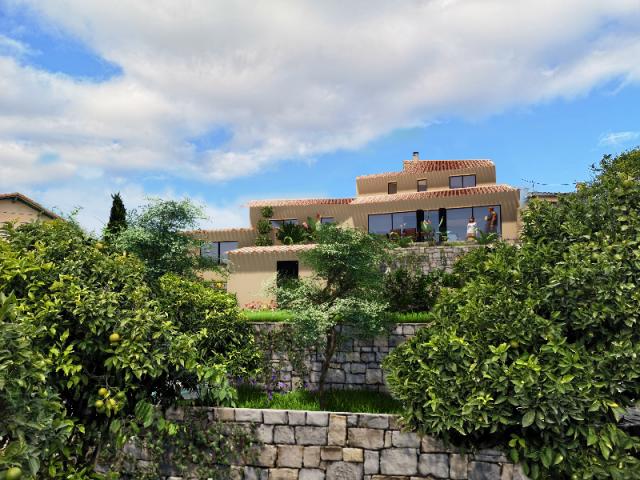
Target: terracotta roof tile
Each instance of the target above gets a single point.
(300, 202)
(456, 192)
(425, 166)
(271, 249)
(32, 203)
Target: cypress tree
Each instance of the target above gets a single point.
(117, 217)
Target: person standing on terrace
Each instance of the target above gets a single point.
(472, 229)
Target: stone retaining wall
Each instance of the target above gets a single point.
(431, 258)
(299, 445)
(356, 365)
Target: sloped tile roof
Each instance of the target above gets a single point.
(300, 202)
(426, 166)
(32, 203)
(456, 192)
(271, 249)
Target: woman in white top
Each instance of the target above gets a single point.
(472, 229)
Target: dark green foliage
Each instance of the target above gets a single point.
(345, 291)
(291, 233)
(194, 305)
(263, 226)
(72, 294)
(263, 239)
(411, 290)
(538, 351)
(156, 235)
(266, 212)
(117, 216)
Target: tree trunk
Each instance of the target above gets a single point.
(329, 350)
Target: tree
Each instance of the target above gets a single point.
(117, 216)
(94, 354)
(157, 235)
(342, 300)
(538, 351)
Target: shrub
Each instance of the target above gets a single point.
(263, 226)
(291, 233)
(408, 290)
(100, 342)
(538, 351)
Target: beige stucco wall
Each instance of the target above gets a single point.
(245, 237)
(19, 212)
(251, 275)
(407, 182)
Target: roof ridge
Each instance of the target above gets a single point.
(29, 201)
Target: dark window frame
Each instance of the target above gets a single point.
(277, 223)
(462, 178)
(426, 185)
(282, 266)
(322, 220)
(395, 186)
(218, 258)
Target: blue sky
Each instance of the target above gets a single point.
(229, 103)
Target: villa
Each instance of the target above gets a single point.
(18, 208)
(445, 193)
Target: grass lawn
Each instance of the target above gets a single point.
(285, 316)
(356, 401)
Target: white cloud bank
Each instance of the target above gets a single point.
(618, 138)
(289, 79)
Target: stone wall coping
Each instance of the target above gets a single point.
(262, 410)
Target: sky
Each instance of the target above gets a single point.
(228, 101)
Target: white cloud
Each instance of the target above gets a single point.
(290, 79)
(618, 138)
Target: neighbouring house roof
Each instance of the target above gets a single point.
(16, 196)
(229, 229)
(426, 166)
(271, 249)
(543, 194)
(300, 202)
(480, 190)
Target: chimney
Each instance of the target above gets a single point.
(416, 155)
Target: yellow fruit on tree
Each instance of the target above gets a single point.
(103, 392)
(99, 404)
(120, 395)
(114, 337)
(14, 473)
(112, 403)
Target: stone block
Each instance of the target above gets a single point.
(331, 454)
(374, 421)
(283, 474)
(344, 471)
(355, 378)
(311, 474)
(253, 473)
(311, 457)
(458, 466)
(248, 415)
(283, 435)
(371, 462)
(290, 456)
(296, 417)
(434, 464)
(318, 419)
(395, 423)
(368, 438)
(490, 455)
(353, 455)
(388, 437)
(432, 445)
(484, 471)
(335, 375)
(265, 433)
(358, 367)
(337, 429)
(405, 439)
(311, 435)
(507, 471)
(266, 456)
(368, 357)
(399, 461)
(275, 417)
(225, 414)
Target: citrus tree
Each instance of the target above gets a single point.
(105, 354)
(538, 351)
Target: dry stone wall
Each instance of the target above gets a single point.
(429, 258)
(356, 365)
(299, 445)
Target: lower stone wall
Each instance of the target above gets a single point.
(356, 365)
(430, 258)
(299, 445)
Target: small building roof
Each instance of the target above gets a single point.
(271, 249)
(299, 202)
(456, 192)
(16, 196)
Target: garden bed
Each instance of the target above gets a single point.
(358, 401)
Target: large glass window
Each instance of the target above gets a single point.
(278, 223)
(327, 220)
(488, 221)
(218, 251)
(380, 224)
(462, 181)
(404, 222)
(457, 219)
